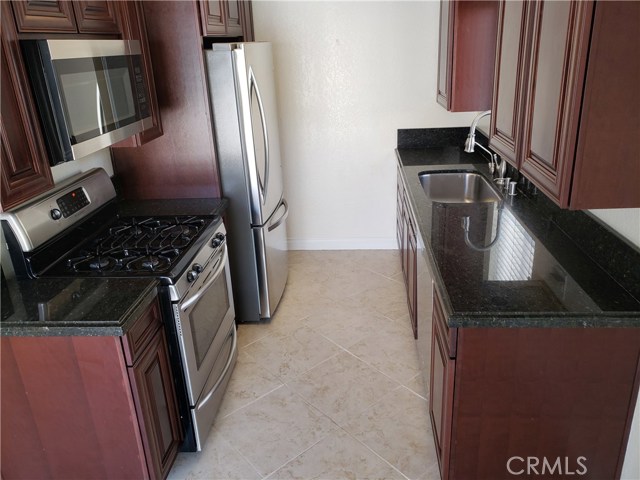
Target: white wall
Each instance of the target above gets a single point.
(625, 221)
(349, 74)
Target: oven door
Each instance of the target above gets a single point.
(203, 319)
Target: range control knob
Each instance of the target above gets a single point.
(191, 276)
(217, 240)
(196, 267)
(56, 214)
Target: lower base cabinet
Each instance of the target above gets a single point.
(532, 402)
(89, 407)
(407, 244)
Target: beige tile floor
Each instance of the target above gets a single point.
(330, 388)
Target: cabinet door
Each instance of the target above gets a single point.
(559, 47)
(444, 54)
(233, 18)
(156, 405)
(24, 163)
(213, 17)
(441, 388)
(96, 16)
(411, 285)
(43, 16)
(467, 54)
(509, 82)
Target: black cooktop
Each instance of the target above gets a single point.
(125, 246)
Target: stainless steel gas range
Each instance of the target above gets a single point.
(77, 229)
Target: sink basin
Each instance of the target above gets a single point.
(458, 187)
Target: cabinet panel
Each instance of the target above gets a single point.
(607, 170)
(441, 390)
(559, 45)
(183, 159)
(44, 16)
(157, 406)
(232, 18)
(141, 333)
(467, 54)
(444, 60)
(213, 17)
(509, 80)
(25, 167)
(96, 16)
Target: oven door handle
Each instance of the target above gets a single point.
(222, 262)
(210, 393)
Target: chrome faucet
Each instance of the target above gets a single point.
(495, 165)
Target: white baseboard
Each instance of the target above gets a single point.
(343, 244)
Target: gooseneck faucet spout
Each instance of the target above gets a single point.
(495, 165)
(470, 143)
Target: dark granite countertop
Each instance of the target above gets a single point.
(93, 306)
(73, 306)
(544, 269)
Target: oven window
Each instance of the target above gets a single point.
(207, 315)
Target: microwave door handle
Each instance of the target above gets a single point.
(265, 135)
(222, 262)
(99, 110)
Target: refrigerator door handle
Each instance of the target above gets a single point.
(282, 218)
(254, 89)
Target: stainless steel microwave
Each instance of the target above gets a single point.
(89, 93)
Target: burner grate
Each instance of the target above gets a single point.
(135, 244)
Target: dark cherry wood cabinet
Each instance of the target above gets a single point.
(441, 385)
(149, 371)
(222, 17)
(543, 392)
(182, 162)
(566, 99)
(496, 393)
(37, 16)
(466, 55)
(509, 82)
(96, 16)
(133, 25)
(24, 168)
(74, 407)
(44, 15)
(408, 247)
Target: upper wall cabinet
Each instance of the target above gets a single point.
(223, 17)
(24, 165)
(565, 109)
(65, 17)
(466, 55)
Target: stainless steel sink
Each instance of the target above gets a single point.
(458, 187)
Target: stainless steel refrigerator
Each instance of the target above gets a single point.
(245, 118)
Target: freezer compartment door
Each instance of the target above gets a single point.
(272, 259)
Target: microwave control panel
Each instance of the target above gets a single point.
(72, 202)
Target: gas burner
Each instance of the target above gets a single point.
(93, 263)
(149, 263)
